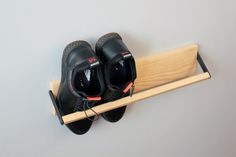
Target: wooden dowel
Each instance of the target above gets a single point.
(136, 97)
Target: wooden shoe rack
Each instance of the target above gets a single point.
(156, 74)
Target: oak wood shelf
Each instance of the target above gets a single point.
(156, 74)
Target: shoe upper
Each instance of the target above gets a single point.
(119, 71)
(81, 83)
(118, 63)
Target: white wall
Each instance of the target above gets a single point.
(197, 120)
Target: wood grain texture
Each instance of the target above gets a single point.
(155, 75)
(165, 67)
(54, 86)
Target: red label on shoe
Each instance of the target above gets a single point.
(92, 59)
(126, 54)
(94, 98)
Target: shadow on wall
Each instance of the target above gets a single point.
(136, 44)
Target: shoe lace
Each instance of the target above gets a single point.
(117, 94)
(84, 105)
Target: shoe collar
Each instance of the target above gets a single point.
(74, 91)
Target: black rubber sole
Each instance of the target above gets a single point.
(114, 115)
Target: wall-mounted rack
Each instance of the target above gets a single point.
(156, 74)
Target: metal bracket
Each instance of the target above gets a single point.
(202, 64)
(56, 107)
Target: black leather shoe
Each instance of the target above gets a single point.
(81, 83)
(119, 72)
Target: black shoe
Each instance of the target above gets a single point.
(81, 83)
(119, 72)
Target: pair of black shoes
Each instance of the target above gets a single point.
(90, 79)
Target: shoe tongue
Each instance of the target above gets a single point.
(87, 74)
(83, 82)
(81, 78)
(122, 72)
